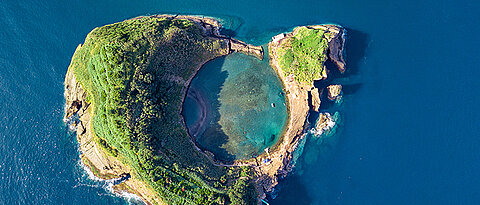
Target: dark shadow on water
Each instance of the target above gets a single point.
(313, 116)
(228, 32)
(230, 25)
(291, 191)
(356, 46)
(351, 88)
(213, 137)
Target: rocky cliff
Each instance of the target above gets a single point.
(79, 113)
(301, 98)
(280, 158)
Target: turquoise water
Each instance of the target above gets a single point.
(235, 106)
(410, 112)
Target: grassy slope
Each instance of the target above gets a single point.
(133, 73)
(304, 54)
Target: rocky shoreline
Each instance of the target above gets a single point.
(93, 156)
(78, 114)
(301, 98)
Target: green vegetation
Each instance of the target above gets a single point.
(304, 54)
(134, 73)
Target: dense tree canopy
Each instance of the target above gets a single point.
(304, 54)
(134, 73)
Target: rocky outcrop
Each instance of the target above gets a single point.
(211, 27)
(336, 46)
(240, 46)
(324, 123)
(334, 92)
(297, 94)
(336, 43)
(269, 168)
(315, 99)
(75, 96)
(78, 112)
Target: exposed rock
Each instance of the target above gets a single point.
(89, 148)
(240, 46)
(315, 99)
(80, 128)
(297, 99)
(336, 50)
(279, 159)
(336, 43)
(334, 92)
(325, 122)
(278, 37)
(105, 166)
(73, 92)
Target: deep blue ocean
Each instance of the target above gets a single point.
(410, 115)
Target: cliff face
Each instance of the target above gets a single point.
(212, 27)
(298, 95)
(180, 161)
(336, 46)
(101, 164)
(301, 98)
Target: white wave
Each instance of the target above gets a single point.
(107, 185)
(88, 172)
(326, 127)
(129, 197)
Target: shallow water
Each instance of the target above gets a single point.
(410, 111)
(235, 106)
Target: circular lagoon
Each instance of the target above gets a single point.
(235, 107)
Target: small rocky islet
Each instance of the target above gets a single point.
(124, 92)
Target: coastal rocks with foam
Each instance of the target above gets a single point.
(301, 98)
(325, 123)
(78, 115)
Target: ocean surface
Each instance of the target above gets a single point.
(410, 115)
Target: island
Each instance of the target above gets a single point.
(124, 92)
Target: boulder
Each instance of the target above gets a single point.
(334, 92)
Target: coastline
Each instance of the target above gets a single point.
(94, 157)
(298, 96)
(266, 174)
